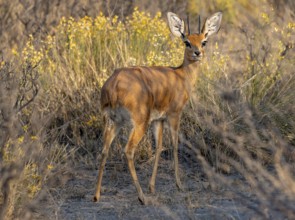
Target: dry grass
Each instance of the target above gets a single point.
(239, 121)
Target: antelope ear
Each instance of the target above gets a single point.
(176, 25)
(212, 24)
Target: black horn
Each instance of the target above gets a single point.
(189, 31)
(199, 24)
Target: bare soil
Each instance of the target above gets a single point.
(119, 198)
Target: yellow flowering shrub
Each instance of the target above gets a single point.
(101, 44)
(14, 151)
(30, 54)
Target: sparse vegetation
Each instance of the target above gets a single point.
(240, 121)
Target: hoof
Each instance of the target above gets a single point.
(95, 199)
(147, 200)
(143, 200)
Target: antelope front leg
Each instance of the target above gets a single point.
(158, 133)
(174, 126)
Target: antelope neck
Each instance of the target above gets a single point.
(190, 71)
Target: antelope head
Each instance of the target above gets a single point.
(196, 42)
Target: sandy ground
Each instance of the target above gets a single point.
(119, 197)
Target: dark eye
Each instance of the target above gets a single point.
(204, 43)
(187, 44)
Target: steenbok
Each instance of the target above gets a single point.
(139, 95)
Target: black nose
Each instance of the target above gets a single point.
(197, 52)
